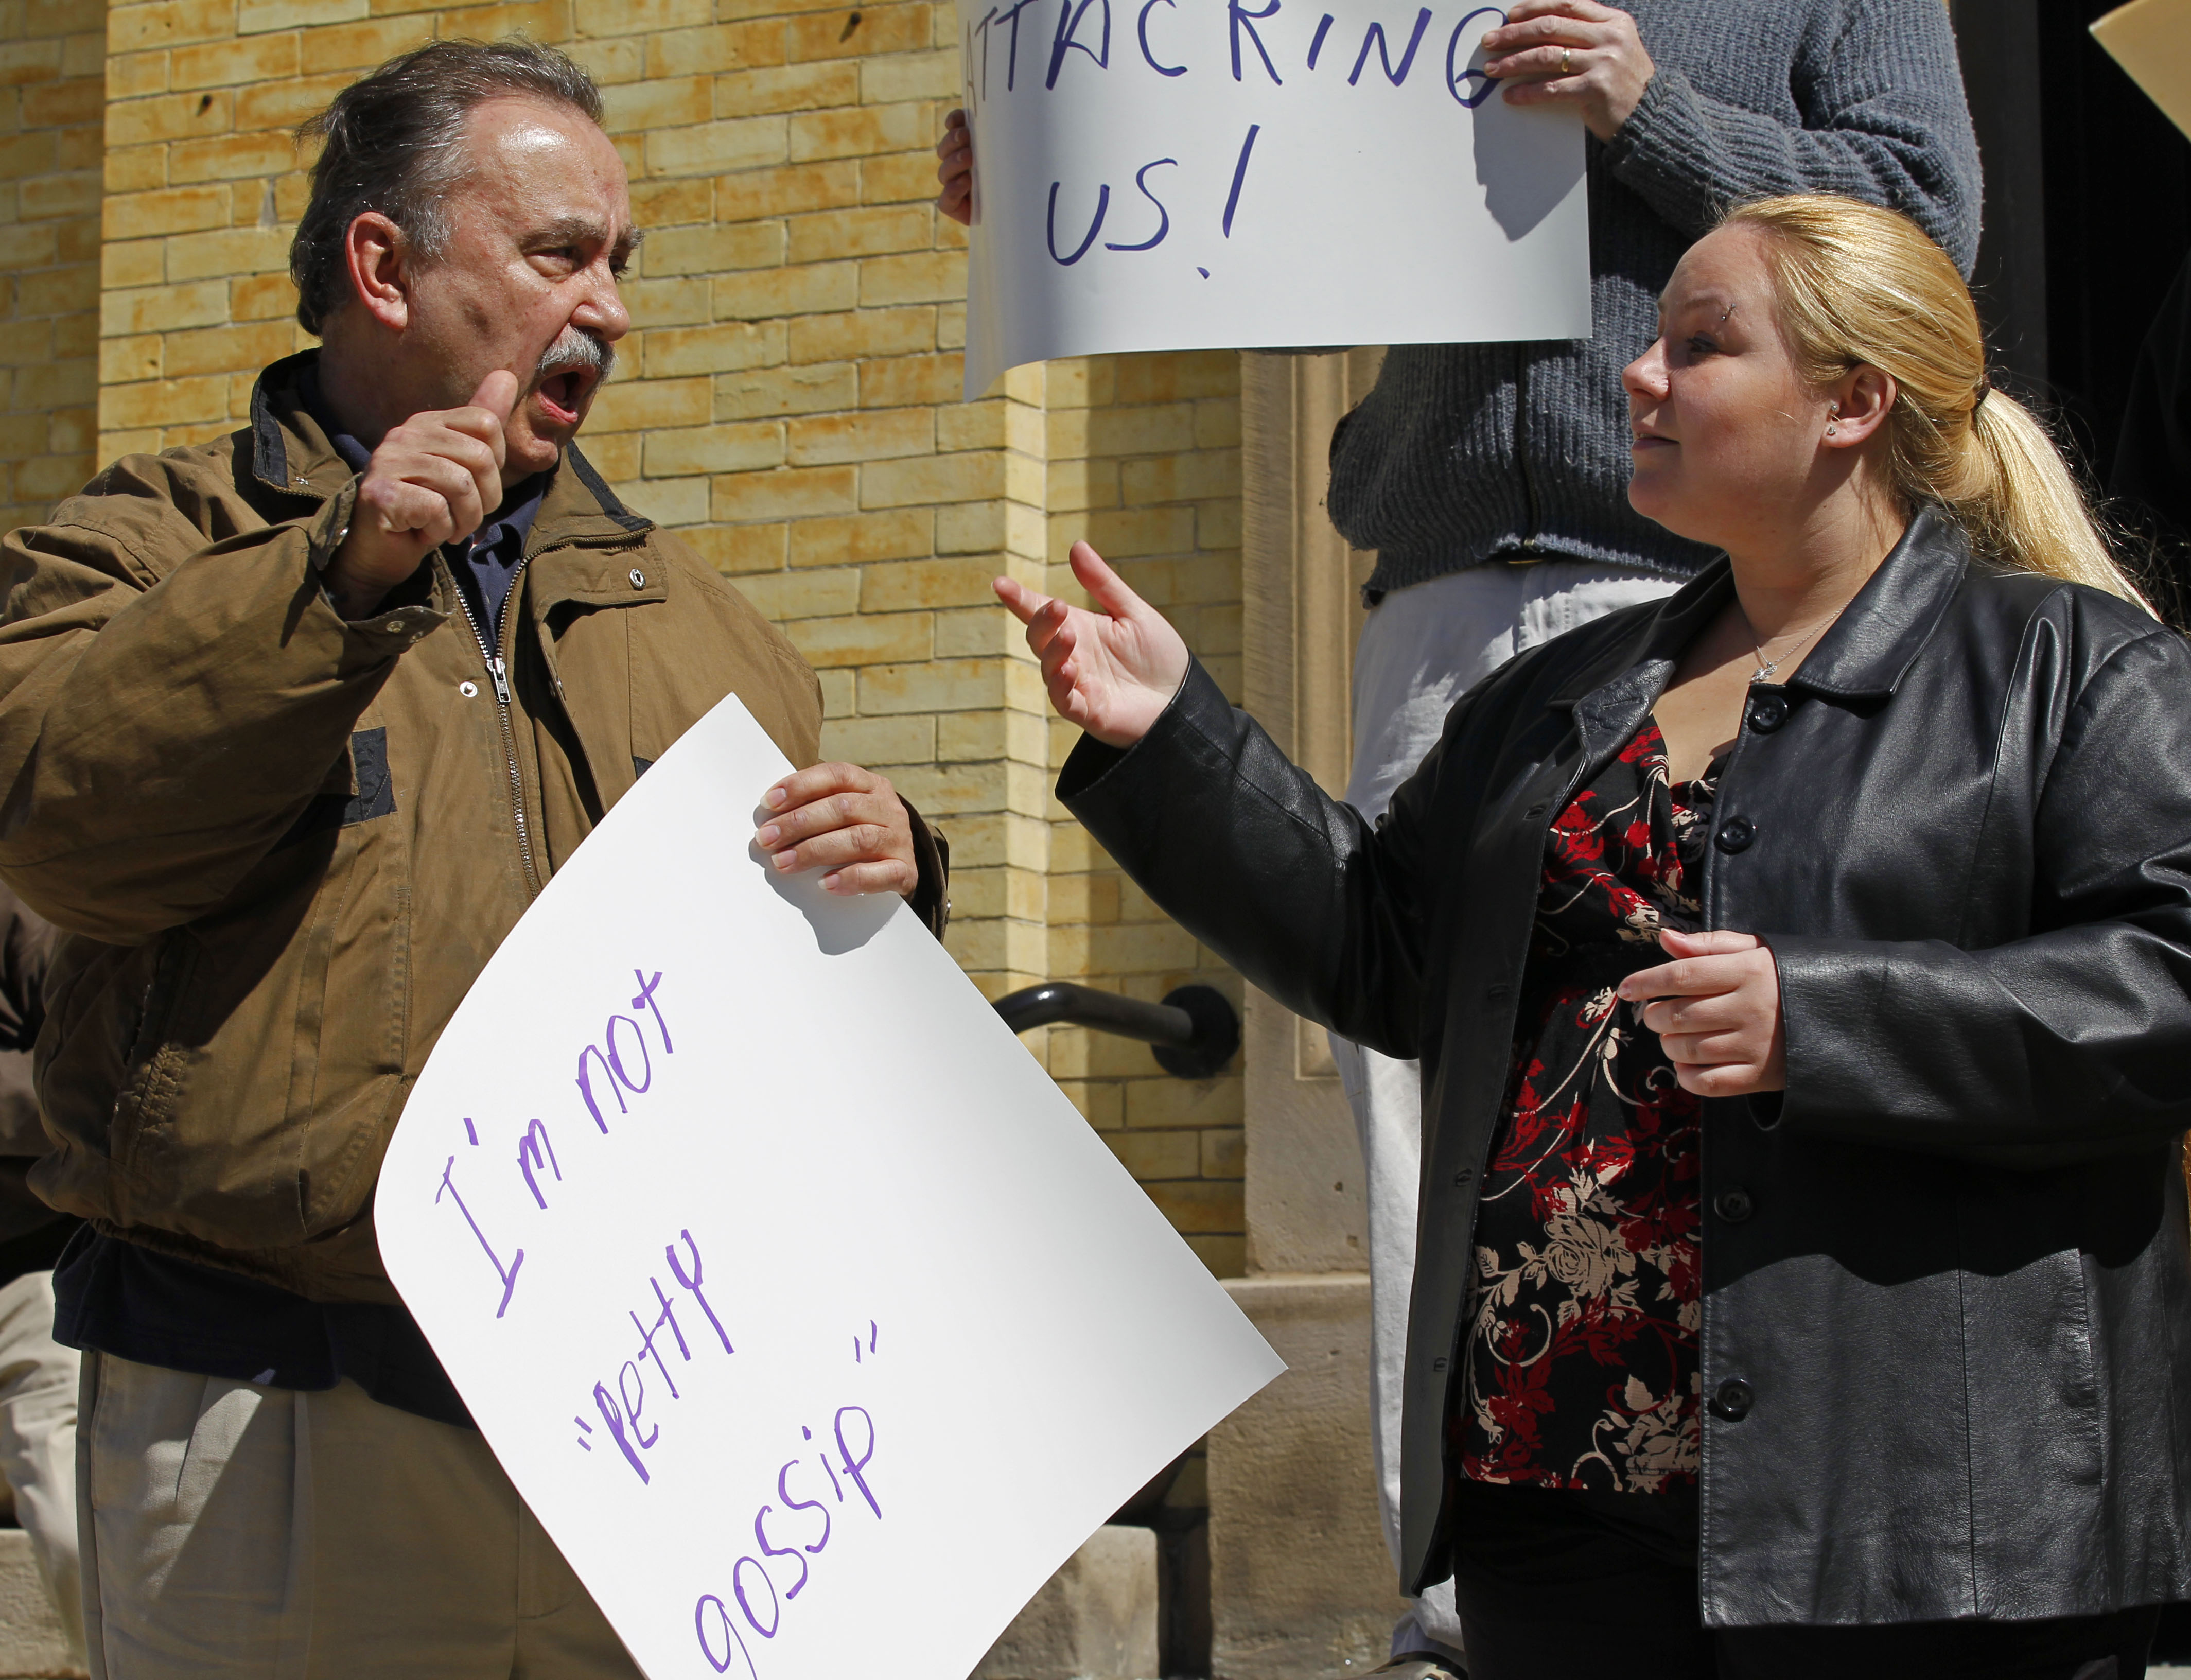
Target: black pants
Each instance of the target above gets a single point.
(1559, 1586)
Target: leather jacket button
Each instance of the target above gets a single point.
(1733, 1400)
(1767, 712)
(1733, 1205)
(1735, 834)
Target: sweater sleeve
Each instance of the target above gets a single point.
(1884, 119)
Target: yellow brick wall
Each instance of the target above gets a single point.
(52, 104)
(788, 400)
(1145, 463)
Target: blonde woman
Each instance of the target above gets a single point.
(1801, 973)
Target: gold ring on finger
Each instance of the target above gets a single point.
(1566, 60)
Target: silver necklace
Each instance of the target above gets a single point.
(1766, 667)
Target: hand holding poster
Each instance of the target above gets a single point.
(1173, 174)
(803, 1309)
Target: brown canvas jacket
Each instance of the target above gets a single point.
(281, 846)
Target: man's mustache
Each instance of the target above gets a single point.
(574, 347)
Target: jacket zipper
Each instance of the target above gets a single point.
(498, 670)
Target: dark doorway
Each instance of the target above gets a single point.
(2087, 213)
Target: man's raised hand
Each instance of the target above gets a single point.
(434, 480)
(1111, 671)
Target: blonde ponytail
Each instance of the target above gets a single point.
(1859, 286)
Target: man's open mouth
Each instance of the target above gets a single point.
(564, 393)
(571, 370)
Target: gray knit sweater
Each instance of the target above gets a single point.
(1465, 453)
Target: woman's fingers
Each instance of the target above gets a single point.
(1020, 601)
(1722, 1081)
(1105, 587)
(1711, 1050)
(1056, 653)
(1111, 671)
(1716, 943)
(1042, 615)
(1686, 977)
(1715, 1009)
(1719, 1013)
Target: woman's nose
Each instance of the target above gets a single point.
(1646, 376)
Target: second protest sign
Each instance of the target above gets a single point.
(1176, 175)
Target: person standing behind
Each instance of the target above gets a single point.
(37, 1374)
(1492, 479)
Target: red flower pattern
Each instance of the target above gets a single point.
(1582, 1368)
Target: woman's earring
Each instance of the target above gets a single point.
(1829, 431)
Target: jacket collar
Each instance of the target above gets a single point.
(1865, 654)
(292, 454)
(1878, 637)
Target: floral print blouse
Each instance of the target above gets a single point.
(1581, 1352)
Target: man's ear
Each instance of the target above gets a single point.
(378, 259)
(1862, 399)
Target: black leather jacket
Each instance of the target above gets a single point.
(1946, 1321)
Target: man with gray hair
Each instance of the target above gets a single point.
(293, 726)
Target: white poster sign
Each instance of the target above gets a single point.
(811, 1319)
(1183, 175)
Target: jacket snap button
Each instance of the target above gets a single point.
(1733, 1400)
(1767, 713)
(1733, 1205)
(1735, 834)
(638, 579)
(468, 689)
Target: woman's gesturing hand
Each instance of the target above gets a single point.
(1716, 1010)
(1571, 52)
(1111, 671)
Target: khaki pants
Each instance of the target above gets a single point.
(262, 1533)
